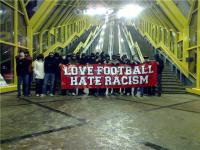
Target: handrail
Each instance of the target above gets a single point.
(83, 45)
(139, 52)
(133, 45)
(89, 43)
(167, 51)
(63, 45)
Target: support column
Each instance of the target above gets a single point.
(196, 90)
(30, 40)
(198, 49)
(185, 46)
(15, 38)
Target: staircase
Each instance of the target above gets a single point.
(82, 38)
(170, 84)
(145, 47)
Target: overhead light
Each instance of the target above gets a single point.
(98, 11)
(129, 11)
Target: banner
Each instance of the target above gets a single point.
(108, 76)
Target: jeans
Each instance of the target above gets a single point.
(141, 91)
(23, 80)
(48, 77)
(29, 83)
(38, 88)
(56, 81)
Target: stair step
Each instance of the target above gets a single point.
(168, 77)
(171, 80)
(171, 84)
(167, 72)
(174, 92)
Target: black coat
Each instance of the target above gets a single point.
(22, 66)
(50, 65)
(160, 66)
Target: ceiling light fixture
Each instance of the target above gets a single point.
(98, 11)
(129, 11)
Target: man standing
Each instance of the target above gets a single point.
(29, 60)
(22, 68)
(49, 69)
(57, 59)
(159, 71)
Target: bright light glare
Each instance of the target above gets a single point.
(98, 11)
(129, 11)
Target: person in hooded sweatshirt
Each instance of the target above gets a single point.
(116, 62)
(92, 60)
(22, 68)
(29, 60)
(57, 59)
(159, 72)
(38, 69)
(64, 61)
(127, 91)
(72, 61)
(108, 61)
(49, 69)
(82, 61)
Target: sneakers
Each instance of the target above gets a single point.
(51, 94)
(42, 95)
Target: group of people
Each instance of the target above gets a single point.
(46, 72)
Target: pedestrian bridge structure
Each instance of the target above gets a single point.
(136, 28)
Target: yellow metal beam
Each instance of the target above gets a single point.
(64, 14)
(30, 39)
(39, 17)
(53, 17)
(68, 14)
(27, 2)
(21, 2)
(173, 13)
(198, 49)
(163, 18)
(16, 15)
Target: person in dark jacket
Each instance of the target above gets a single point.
(116, 62)
(82, 61)
(128, 91)
(137, 62)
(57, 59)
(73, 61)
(92, 60)
(22, 68)
(102, 91)
(49, 69)
(29, 59)
(64, 61)
(160, 68)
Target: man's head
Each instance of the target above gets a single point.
(156, 56)
(146, 58)
(56, 54)
(83, 55)
(74, 56)
(40, 57)
(21, 54)
(26, 53)
(51, 54)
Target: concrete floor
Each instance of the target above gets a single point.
(170, 122)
